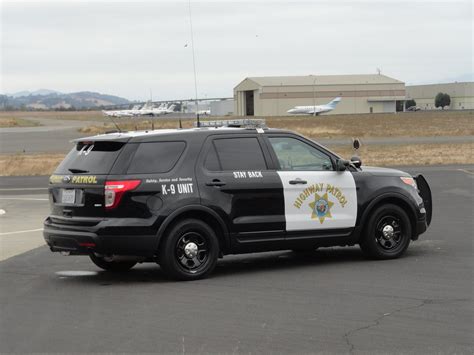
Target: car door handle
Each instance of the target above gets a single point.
(216, 183)
(298, 181)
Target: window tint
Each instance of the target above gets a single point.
(237, 154)
(294, 154)
(156, 157)
(90, 157)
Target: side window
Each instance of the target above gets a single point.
(229, 154)
(294, 154)
(156, 157)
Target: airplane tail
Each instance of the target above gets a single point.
(334, 102)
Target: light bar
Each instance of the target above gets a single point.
(245, 123)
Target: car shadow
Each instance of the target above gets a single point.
(268, 262)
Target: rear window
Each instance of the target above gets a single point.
(235, 154)
(156, 157)
(90, 157)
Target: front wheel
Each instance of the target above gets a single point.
(387, 234)
(107, 263)
(189, 251)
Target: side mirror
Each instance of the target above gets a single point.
(356, 143)
(356, 161)
(342, 164)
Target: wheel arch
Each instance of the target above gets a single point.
(202, 213)
(395, 199)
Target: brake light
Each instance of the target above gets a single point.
(114, 191)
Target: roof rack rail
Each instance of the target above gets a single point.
(242, 123)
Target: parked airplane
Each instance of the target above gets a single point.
(145, 110)
(314, 110)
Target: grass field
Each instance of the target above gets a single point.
(59, 115)
(384, 155)
(435, 123)
(408, 124)
(16, 122)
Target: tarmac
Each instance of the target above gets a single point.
(332, 300)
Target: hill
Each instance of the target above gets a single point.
(51, 100)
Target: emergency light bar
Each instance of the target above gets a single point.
(243, 123)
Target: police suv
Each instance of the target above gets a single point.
(185, 197)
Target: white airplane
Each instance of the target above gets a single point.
(314, 110)
(162, 110)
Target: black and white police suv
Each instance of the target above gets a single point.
(185, 197)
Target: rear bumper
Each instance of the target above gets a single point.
(102, 239)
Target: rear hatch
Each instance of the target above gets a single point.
(76, 188)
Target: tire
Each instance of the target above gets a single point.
(115, 266)
(394, 242)
(189, 250)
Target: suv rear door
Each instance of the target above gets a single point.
(236, 181)
(77, 186)
(319, 201)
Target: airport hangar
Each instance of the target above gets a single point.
(275, 95)
(462, 95)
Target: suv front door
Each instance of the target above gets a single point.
(319, 201)
(235, 180)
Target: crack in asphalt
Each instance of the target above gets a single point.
(376, 322)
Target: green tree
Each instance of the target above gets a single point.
(442, 100)
(410, 103)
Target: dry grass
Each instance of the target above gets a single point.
(16, 122)
(59, 115)
(408, 124)
(23, 164)
(388, 155)
(411, 154)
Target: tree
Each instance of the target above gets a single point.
(442, 100)
(410, 103)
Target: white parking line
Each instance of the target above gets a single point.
(25, 231)
(466, 171)
(24, 199)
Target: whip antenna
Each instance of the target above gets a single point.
(194, 63)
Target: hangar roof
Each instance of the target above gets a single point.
(324, 80)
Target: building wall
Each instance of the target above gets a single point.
(356, 98)
(222, 107)
(462, 95)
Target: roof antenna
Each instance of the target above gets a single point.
(115, 124)
(194, 64)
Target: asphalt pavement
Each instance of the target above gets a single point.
(333, 300)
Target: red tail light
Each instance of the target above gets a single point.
(114, 191)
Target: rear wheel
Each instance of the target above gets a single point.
(107, 263)
(189, 251)
(387, 234)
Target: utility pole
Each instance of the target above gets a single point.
(314, 96)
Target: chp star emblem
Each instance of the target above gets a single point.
(321, 207)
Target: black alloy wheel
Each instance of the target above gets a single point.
(387, 233)
(189, 251)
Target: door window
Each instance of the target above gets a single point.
(294, 154)
(230, 154)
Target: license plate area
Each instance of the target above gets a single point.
(68, 196)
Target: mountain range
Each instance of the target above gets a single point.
(45, 99)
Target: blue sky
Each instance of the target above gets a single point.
(128, 48)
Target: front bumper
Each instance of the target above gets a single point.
(101, 238)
